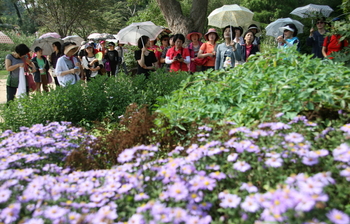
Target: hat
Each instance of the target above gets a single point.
(89, 45)
(83, 43)
(36, 49)
(211, 30)
(283, 28)
(194, 32)
(253, 26)
(70, 47)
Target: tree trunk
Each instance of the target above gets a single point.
(20, 22)
(178, 22)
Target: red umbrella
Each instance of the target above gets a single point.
(4, 39)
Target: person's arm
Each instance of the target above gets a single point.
(141, 61)
(324, 50)
(218, 58)
(9, 67)
(201, 53)
(60, 69)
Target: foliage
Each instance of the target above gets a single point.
(287, 171)
(282, 79)
(101, 98)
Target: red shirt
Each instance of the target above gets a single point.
(176, 65)
(333, 44)
(247, 50)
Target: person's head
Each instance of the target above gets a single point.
(179, 39)
(211, 35)
(171, 40)
(228, 32)
(102, 43)
(248, 37)
(70, 48)
(89, 47)
(22, 50)
(143, 42)
(254, 28)
(238, 30)
(320, 22)
(111, 45)
(289, 30)
(194, 36)
(164, 40)
(38, 51)
(57, 46)
(152, 42)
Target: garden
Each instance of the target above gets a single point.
(265, 142)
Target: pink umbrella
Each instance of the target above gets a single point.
(54, 35)
(5, 39)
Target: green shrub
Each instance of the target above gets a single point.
(101, 98)
(276, 81)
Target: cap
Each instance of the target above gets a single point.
(90, 45)
(36, 49)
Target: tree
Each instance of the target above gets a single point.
(178, 22)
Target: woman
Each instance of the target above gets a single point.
(42, 70)
(193, 48)
(53, 59)
(112, 58)
(92, 66)
(255, 29)
(238, 31)
(177, 56)
(248, 48)
(229, 52)
(208, 49)
(316, 38)
(288, 38)
(165, 51)
(13, 62)
(68, 66)
(155, 48)
(146, 60)
(333, 44)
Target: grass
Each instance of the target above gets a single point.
(3, 74)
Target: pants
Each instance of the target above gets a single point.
(11, 92)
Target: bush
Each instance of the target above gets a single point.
(101, 98)
(277, 81)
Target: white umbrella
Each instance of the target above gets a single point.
(94, 36)
(45, 44)
(132, 33)
(273, 29)
(233, 15)
(312, 10)
(75, 38)
(4, 39)
(52, 34)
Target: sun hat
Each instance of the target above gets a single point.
(253, 26)
(36, 49)
(70, 47)
(194, 32)
(211, 30)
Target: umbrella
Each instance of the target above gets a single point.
(132, 33)
(4, 39)
(312, 10)
(75, 38)
(94, 36)
(55, 35)
(273, 29)
(233, 15)
(45, 44)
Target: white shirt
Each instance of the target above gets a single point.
(61, 66)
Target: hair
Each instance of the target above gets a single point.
(180, 37)
(59, 46)
(165, 36)
(232, 32)
(142, 41)
(245, 34)
(111, 43)
(239, 28)
(291, 25)
(65, 45)
(154, 41)
(323, 19)
(22, 49)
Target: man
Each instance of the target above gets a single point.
(316, 38)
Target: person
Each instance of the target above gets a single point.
(164, 40)
(289, 37)
(229, 52)
(178, 57)
(255, 29)
(146, 60)
(193, 48)
(316, 38)
(13, 63)
(92, 65)
(102, 47)
(111, 59)
(238, 35)
(68, 66)
(333, 44)
(208, 48)
(155, 48)
(82, 52)
(121, 51)
(164, 52)
(42, 70)
(248, 48)
(53, 59)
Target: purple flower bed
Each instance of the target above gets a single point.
(275, 173)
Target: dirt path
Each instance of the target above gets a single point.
(2, 91)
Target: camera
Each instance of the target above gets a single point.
(178, 56)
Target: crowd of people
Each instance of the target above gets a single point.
(71, 62)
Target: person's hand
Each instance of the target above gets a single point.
(311, 31)
(280, 39)
(214, 53)
(20, 65)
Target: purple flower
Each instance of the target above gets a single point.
(310, 161)
(11, 213)
(5, 195)
(141, 196)
(217, 175)
(126, 156)
(338, 217)
(249, 187)
(241, 166)
(34, 221)
(136, 219)
(250, 204)
(346, 128)
(230, 201)
(274, 162)
(294, 138)
(54, 212)
(232, 157)
(279, 114)
(178, 191)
